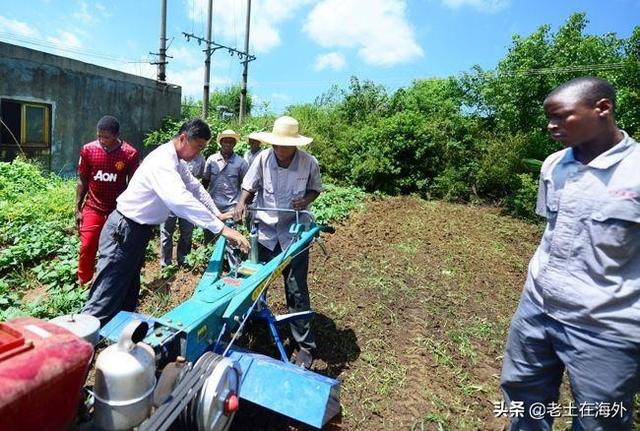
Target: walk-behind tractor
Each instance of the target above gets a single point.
(181, 370)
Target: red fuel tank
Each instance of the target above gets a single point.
(42, 370)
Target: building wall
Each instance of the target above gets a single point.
(79, 94)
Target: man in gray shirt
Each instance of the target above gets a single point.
(185, 227)
(285, 177)
(254, 149)
(580, 308)
(223, 174)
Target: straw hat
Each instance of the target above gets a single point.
(227, 134)
(284, 133)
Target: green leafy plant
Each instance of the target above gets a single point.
(335, 203)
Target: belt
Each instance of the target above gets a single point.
(133, 221)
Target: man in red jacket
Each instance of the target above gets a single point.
(104, 170)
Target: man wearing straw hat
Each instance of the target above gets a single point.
(284, 177)
(254, 149)
(223, 174)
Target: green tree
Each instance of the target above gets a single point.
(511, 97)
(362, 100)
(229, 97)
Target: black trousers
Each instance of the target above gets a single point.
(297, 293)
(121, 251)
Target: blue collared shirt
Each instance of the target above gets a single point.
(250, 156)
(586, 270)
(225, 178)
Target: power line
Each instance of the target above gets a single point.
(66, 48)
(566, 69)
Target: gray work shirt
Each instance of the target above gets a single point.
(586, 270)
(196, 165)
(251, 156)
(225, 178)
(275, 187)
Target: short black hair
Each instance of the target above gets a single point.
(109, 124)
(196, 128)
(589, 88)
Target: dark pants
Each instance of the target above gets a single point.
(297, 293)
(231, 253)
(185, 229)
(121, 251)
(604, 373)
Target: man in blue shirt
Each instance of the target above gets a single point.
(223, 174)
(580, 308)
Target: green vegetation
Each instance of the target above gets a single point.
(38, 247)
(335, 203)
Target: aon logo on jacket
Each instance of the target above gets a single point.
(105, 176)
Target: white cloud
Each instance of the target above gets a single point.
(489, 6)
(379, 29)
(229, 20)
(83, 15)
(331, 60)
(281, 97)
(186, 56)
(66, 39)
(17, 28)
(89, 13)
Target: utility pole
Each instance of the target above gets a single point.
(212, 47)
(162, 60)
(207, 64)
(245, 64)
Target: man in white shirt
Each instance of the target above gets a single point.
(161, 185)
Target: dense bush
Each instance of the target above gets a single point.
(38, 244)
(522, 201)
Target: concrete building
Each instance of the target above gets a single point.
(50, 105)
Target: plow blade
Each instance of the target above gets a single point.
(287, 389)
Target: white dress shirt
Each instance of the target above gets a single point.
(161, 185)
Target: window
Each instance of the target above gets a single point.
(25, 128)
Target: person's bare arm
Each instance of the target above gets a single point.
(241, 205)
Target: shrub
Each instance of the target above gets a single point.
(522, 203)
(335, 203)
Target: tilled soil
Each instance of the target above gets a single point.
(412, 306)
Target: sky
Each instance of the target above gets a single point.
(303, 47)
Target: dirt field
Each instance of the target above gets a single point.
(412, 306)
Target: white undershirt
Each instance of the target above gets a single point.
(163, 184)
